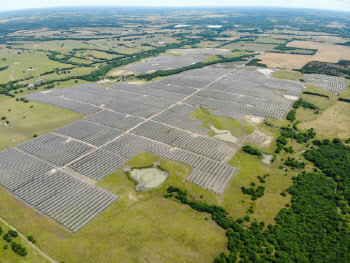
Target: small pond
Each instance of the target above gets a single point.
(148, 178)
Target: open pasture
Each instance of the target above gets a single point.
(251, 46)
(266, 40)
(28, 119)
(332, 123)
(23, 64)
(55, 45)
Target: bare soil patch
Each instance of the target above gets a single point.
(259, 138)
(254, 119)
(121, 72)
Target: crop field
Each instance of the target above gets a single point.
(285, 61)
(326, 52)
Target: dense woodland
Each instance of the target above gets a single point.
(310, 230)
(342, 68)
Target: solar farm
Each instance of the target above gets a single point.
(166, 62)
(55, 173)
(329, 83)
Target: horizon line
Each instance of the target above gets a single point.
(172, 7)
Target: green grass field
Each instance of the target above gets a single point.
(9, 256)
(288, 74)
(78, 71)
(266, 207)
(27, 119)
(265, 40)
(80, 60)
(251, 46)
(20, 65)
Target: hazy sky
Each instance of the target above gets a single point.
(343, 5)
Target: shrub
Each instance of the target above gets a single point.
(12, 233)
(291, 116)
(251, 150)
(294, 163)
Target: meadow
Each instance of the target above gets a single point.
(29, 119)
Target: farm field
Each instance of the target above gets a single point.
(285, 61)
(326, 53)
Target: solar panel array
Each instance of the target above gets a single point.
(165, 62)
(329, 83)
(63, 198)
(125, 119)
(214, 175)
